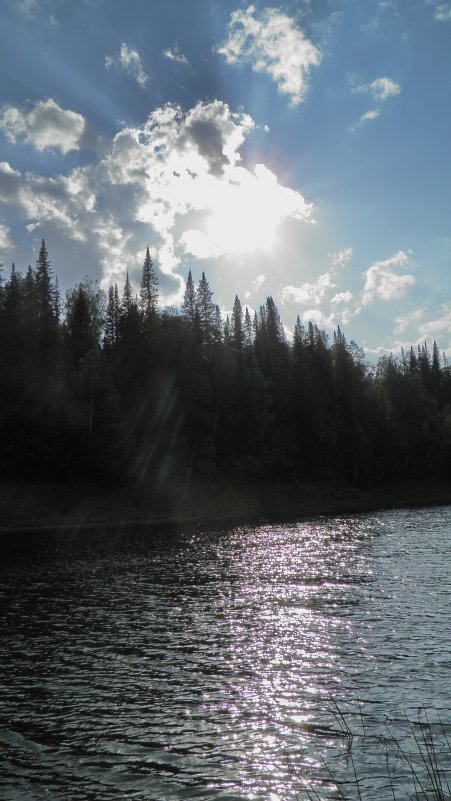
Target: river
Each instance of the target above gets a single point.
(271, 662)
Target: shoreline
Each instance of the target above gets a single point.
(32, 506)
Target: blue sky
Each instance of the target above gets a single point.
(299, 149)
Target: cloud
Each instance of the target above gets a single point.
(43, 125)
(381, 89)
(370, 115)
(307, 292)
(174, 54)
(441, 325)
(443, 13)
(341, 297)
(341, 257)
(403, 323)
(129, 61)
(258, 282)
(175, 183)
(5, 239)
(27, 7)
(272, 43)
(381, 280)
(319, 318)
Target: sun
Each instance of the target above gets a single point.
(244, 219)
(244, 213)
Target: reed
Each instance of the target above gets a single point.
(414, 766)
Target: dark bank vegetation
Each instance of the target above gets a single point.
(111, 389)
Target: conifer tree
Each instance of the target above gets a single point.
(205, 310)
(127, 297)
(148, 295)
(189, 300)
(45, 288)
(227, 331)
(248, 333)
(236, 327)
(112, 321)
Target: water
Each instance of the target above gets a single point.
(196, 664)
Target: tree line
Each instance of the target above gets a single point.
(110, 388)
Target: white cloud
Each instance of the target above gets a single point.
(319, 318)
(441, 325)
(5, 239)
(176, 183)
(341, 257)
(341, 297)
(258, 282)
(44, 125)
(370, 115)
(174, 54)
(443, 13)
(381, 280)
(383, 88)
(307, 292)
(380, 89)
(404, 322)
(272, 43)
(129, 61)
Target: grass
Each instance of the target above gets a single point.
(414, 765)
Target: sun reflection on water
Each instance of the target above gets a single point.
(286, 632)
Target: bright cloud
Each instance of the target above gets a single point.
(129, 61)
(5, 239)
(370, 115)
(43, 125)
(307, 293)
(272, 43)
(258, 282)
(381, 280)
(341, 257)
(383, 88)
(319, 318)
(174, 54)
(176, 183)
(341, 297)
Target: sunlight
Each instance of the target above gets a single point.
(245, 214)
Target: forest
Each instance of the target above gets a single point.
(110, 388)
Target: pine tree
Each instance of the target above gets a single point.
(46, 299)
(112, 321)
(46, 290)
(127, 297)
(189, 300)
(227, 331)
(248, 332)
(205, 310)
(148, 295)
(236, 330)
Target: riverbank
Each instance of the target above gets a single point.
(43, 504)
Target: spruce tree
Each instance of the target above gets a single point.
(205, 309)
(189, 300)
(237, 332)
(148, 295)
(112, 321)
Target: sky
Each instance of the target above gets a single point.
(297, 149)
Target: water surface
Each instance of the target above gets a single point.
(221, 664)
